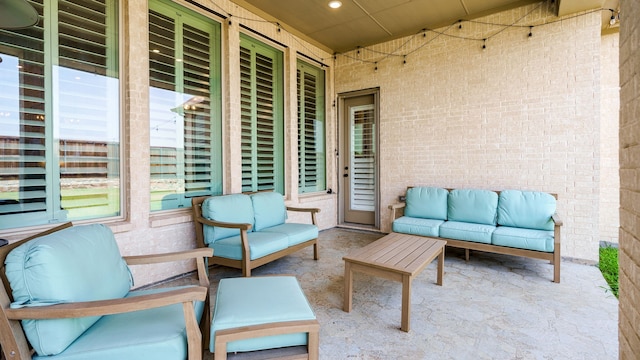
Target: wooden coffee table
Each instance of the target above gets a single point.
(398, 257)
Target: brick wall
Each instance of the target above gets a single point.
(609, 140)
(143, 231)
(629, 319)
(523, 113)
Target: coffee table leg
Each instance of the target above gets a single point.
(440, 267)
(348, 286)
(406, 302)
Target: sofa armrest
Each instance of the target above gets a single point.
(112, 306)
(556, 219)
(312, 211)
(197, 254)
(241, 226)
(394, 212)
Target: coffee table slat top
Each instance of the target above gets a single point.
(401, 253)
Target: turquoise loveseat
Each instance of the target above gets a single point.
(68, 293)
(513, 222)
(250, 230)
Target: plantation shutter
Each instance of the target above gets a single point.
(24, 152)
(87, 107)
(185, 145)
(363, 158)
(162, 96)
(261, 117)
(60, 153)
(311, 140)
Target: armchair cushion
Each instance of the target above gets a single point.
(296, 233)
(530, 239)
(426, 203)
(269, 209)
(148, 334)
(81, 263)
(526, 209)
(234, 208)
(473, 206)
(417, 226)
(260, 300)
(260, 244)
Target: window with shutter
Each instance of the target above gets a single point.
(60, 115)
(184, 106)
(261, 116)
(311, 132)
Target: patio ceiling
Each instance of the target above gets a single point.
(368, 22)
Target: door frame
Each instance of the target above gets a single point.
(343, 153)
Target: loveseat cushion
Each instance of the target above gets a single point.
(80, 263)
(473, 206)
(234, 208)
(467, 231)
(529, 239)
(268, 209)
(260, 244)
(526, 209)
(260, 300)
(296, 233)
(158, 334)
(426, 203)
(417, 226)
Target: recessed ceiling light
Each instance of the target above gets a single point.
(335, 4)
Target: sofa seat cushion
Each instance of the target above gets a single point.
(268, 209)
(526, 209)
(426, 203)
(260, 244)
(417, 226)
(80, 263)
(234, 208)
(157, 334)
(529, 239)
(260, 300)
(473, 206)
(456, 230)
(295, 232)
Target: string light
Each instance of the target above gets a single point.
(614, 19)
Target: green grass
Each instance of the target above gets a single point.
(608, 265)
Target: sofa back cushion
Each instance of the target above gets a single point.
(234, 208)
(80, 263)
(526, 209)
(473, 206)
(426, 203)
(268, 209)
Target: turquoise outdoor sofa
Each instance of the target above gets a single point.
(250, 230)
(67, 296)
(513, 222)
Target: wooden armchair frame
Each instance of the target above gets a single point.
(246, 264)
(13, 339)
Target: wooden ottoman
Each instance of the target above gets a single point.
(260, 313)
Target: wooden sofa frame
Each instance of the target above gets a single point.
(553, 257)
(13, 339)
(246, 264)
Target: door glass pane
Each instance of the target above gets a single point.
(362, 157)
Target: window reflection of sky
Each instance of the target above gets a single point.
(9, 96)
(86, 105)
(166, 117)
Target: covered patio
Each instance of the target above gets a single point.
(493, 307)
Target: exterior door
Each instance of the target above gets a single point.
(358, 166)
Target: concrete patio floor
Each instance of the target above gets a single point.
(493, 307)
